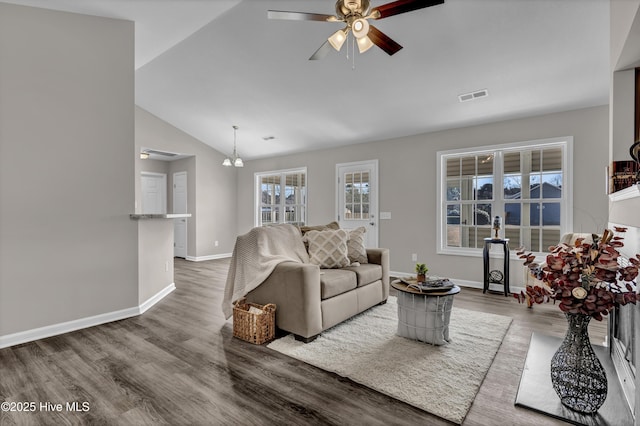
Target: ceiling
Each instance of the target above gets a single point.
(204, 66)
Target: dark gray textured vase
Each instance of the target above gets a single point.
(577, 375)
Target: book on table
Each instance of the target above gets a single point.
(430, 284)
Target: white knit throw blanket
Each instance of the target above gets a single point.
(255, 256)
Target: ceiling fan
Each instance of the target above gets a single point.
(356, 15)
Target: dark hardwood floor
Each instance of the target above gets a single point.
(178, 364)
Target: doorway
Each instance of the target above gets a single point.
(357, 198)
(154, 193)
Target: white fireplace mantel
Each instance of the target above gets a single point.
(624, 210)
(625, 194)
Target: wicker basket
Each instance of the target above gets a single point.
(257, 328)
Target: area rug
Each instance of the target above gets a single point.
(442, 380)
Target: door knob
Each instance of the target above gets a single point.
(372, 223)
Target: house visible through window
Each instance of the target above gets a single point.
(527, 184)
(356, 194)
(281, 197)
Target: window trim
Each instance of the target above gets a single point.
(566, 216)
(257, 194)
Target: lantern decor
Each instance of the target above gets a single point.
(497, 224)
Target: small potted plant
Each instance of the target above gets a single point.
(421, 272)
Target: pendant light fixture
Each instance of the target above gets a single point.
(236, 161)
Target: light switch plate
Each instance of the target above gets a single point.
(385, 215)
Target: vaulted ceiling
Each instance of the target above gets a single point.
(204, 66)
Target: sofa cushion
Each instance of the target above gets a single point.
(328, 248)
(367, 273)
(336, 281)
(306, 228)
(357, 251)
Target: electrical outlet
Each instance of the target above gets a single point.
(166, 266)
(216, 243)
(414, 257)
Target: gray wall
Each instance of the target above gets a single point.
(407, 174)
(155, 166)
(155, 256)
(68, 249)
(211, 187)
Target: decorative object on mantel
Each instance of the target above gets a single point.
(356, 14)
(623, 175)
(237, 161)
(635, 154)
(588, 282)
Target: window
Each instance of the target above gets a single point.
(356, 195)
(527, 184)
(281, 197)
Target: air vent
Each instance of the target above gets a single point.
(465, 97)
(163, 153)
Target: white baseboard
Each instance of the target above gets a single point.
(66, 327)
(209, 257)
(144, 307)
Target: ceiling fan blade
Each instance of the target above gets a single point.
(383, 41)
(321, 52)
(300, 16)
(401, 6)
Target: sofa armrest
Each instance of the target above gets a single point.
(295, 289)
(380, 256)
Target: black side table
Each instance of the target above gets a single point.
(485, 255)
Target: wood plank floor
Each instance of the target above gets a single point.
(178, 364)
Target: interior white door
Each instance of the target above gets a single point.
(180, 206)
(154, 192)
(357, 197)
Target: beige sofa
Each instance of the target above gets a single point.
(311, 299)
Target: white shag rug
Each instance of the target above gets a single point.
(442, 380)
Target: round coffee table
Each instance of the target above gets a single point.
(424, 315)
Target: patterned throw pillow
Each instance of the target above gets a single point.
(306, 228)
(328, 248)
(357, 251)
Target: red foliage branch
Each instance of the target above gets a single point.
(584, 278)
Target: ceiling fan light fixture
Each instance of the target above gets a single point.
(227, 162)
(364, 44)
(356, 13)
(337, 39)
(238, 162)
(360, 28)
